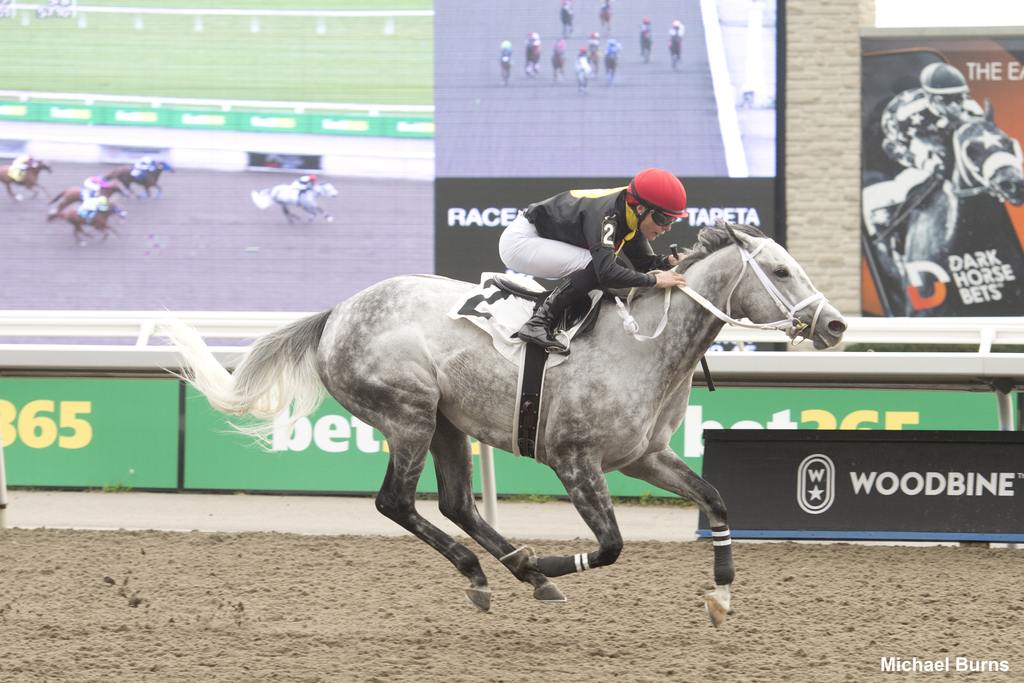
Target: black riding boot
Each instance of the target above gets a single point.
(540, 329)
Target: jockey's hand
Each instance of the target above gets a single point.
(673, 260)
(669, 278)
(933, 164)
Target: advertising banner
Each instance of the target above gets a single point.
(942, 187)
(470, 214)
(332, 451)
(90, 432)
(925, 485)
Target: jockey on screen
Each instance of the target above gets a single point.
(304, 184)
(143, 166)
(92, 185)
(93, 205)
(21, 163)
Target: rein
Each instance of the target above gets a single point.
(791, 325)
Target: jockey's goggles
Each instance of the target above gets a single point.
(662, 219)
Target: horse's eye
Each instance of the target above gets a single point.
(781, 271)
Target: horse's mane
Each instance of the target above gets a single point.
(713, 238)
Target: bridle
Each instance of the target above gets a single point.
(790, 324)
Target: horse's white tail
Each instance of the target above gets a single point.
(278, 374)
(261, 198)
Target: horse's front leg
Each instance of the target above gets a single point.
(10, 192)
(588, 492)
(665, 470)
(159, 191)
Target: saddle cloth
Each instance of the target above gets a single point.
(501, 314)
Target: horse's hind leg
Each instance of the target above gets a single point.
(397, 499)
(454, 467)
(665, 470)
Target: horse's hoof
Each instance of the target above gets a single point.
(716, 605)
(548, 592)
(480, 597)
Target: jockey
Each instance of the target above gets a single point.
(578, 235)
(612, 48)
(645, 33)
(304, 184)
(17, 169)
(532, 53)
(92, 186)
(918, 125)
(560, 46)
(594, 44)
(143, 166)
(506, 51)
(93, 205)
(676, 32)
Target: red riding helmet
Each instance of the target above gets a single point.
(312, 178)
(659, 190)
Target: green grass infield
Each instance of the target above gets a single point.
(364, 60)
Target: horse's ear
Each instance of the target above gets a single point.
(988, 110)
(732, 234)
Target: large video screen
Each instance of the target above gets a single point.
(588, 93)
(233, 102)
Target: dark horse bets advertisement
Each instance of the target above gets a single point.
(942, 188)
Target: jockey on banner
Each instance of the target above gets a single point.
(578, 236)
(918, 125)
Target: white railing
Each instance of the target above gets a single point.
(1001, 373)
(156, 101)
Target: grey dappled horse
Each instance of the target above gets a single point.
(286, 195)
(393, 358)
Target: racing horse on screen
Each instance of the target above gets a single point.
(149, 180)
(29, 179)
(393, 357)
(289, 196)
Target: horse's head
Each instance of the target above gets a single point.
(325, 190)
(767, 285)
(988, 158)
(164, 166)
(39, 165)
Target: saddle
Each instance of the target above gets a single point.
(583, 311)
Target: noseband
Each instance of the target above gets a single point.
(791, 325)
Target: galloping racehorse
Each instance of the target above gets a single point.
(395, 360)
(30, 179)
(100, 222)
(987, 170)
(286, 195)
(148, 180)
(74, 194)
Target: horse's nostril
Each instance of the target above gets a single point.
(836, 327)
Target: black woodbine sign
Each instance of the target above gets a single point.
(868, 485)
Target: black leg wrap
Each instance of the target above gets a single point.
(725, 572)
(560, 565)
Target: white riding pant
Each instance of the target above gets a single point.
(524, 251)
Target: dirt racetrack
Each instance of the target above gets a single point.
(159, 606)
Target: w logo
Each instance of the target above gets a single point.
(816, 484)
